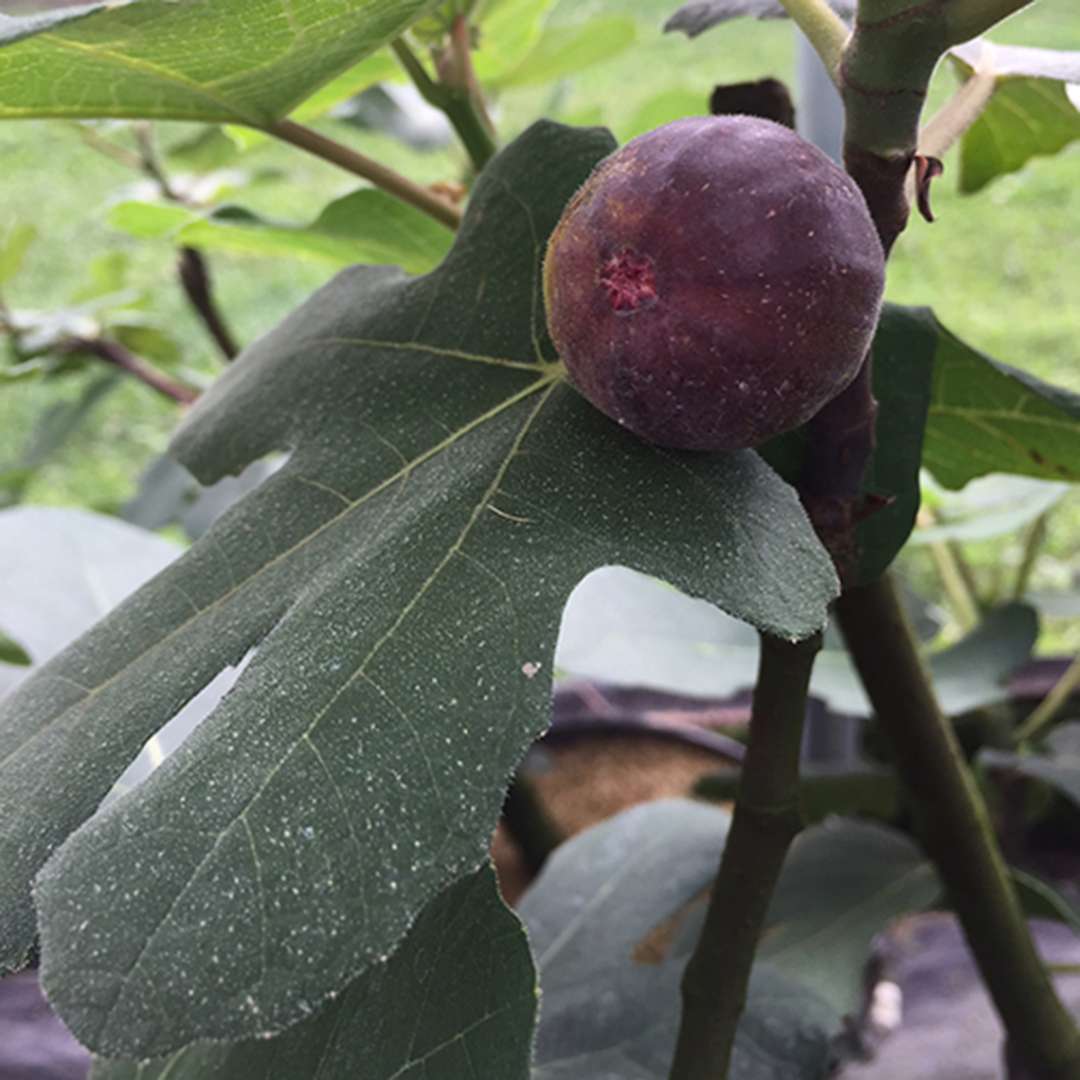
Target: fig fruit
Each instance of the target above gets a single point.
(714, 283)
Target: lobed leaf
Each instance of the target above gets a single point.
(233, 61)
(400, 579)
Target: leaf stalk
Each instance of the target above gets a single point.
(380, 175)
(457, 94)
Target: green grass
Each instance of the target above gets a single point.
(1001, 268)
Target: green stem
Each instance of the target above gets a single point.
(952, 577)
(824, 29)
(382, 177)
(766, 820)
(970, 18)
(460, 103)
(1047, 708)
(958, 834)
(1033, 543)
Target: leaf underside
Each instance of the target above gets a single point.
(988, 417)
(401, 579)
(228, 61)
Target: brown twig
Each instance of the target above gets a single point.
(192, 268)
(112, 352)
(346, 158)
(194, 276)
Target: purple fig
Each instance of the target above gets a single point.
(714, 283)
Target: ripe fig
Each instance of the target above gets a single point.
(714, 283)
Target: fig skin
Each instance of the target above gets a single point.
(714, 283)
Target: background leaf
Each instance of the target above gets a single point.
(1030, 113)
(565, 50)
(987, 507)
(1057, 763)
(401, 579)
(235, 61)
(697, 16)
(988, 417)
(11, 652)
(622, 628)
(457, 999)
(364, 226)
(616, 911)
(14, 244)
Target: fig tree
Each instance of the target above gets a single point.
(714, 283)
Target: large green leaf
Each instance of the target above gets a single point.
(401, 577)
(988, 417)
(364, 226)
(1030, 113)
(456, 1000)
(238, 61)
(616, 911)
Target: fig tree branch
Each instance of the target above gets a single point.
(112, 352)
(381, 176)
(956, 831)
(765, 821)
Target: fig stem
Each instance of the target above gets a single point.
(956, 830)
(462, 103)
(765, 820)
(380, 175)
(824, 29)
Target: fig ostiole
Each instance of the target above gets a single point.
(714, 283)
